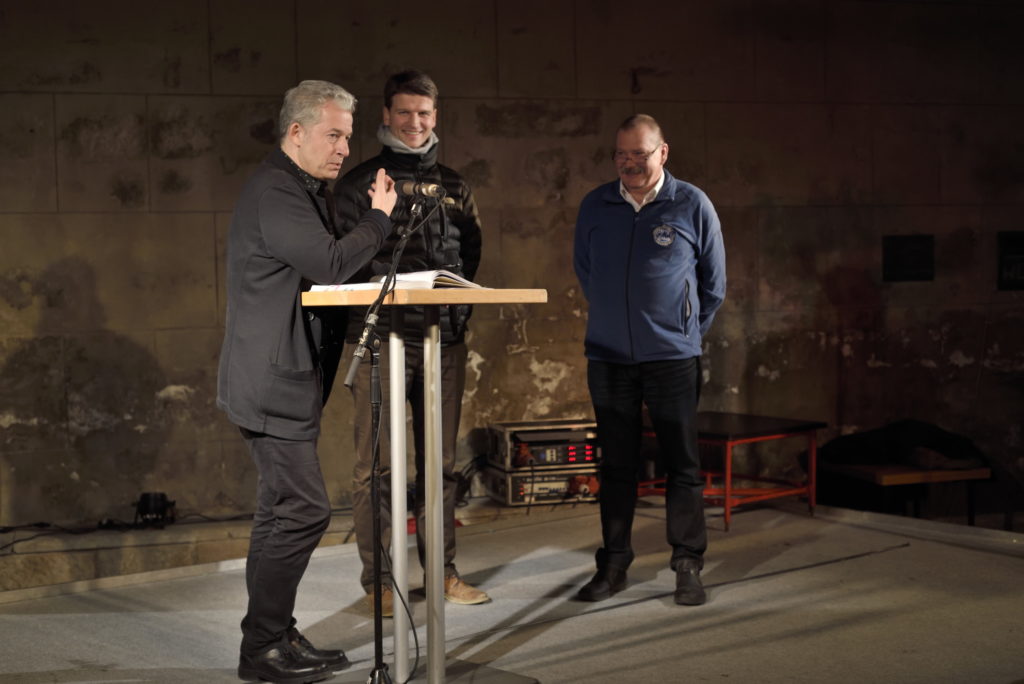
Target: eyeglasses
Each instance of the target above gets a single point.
(633, 155)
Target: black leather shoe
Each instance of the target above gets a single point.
(281, 664)
(334, 659)
(605, 583)
(689, 590)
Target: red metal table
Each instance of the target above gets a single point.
(731, 429)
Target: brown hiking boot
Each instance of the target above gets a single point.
(457, 591)
(387, 602)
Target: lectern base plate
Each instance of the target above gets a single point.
(456, 672)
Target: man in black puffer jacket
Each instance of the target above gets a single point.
(450, 240)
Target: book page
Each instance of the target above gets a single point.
(416, 280)
(439, 278)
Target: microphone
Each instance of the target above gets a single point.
(414, 189)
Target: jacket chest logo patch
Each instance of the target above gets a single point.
(664, 236)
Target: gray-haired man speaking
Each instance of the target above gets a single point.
(282, 240)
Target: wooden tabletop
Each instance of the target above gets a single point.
(888, 475)
(425, 297)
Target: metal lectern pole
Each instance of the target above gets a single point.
(399, 487)
(434, 494)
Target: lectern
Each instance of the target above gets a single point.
(431, 300)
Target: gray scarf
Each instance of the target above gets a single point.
(389, 139)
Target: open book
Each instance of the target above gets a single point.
(417, 280)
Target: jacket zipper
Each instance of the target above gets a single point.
(686, 309)
(629, 264)
(428, 239)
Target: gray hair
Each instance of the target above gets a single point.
(642, 120)
(304, 103)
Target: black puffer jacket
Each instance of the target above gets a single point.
(450, 240)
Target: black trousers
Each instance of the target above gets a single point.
(292, 513)
(670, 389)
(453, 383)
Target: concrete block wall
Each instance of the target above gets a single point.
(816, 127)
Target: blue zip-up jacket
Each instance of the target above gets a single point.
(653, 278)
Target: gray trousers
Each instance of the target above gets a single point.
(453, 382)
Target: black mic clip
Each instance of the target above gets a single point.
(360, 352)
(415, 212)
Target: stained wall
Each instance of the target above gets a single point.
(817, 127)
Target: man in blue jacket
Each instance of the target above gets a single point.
(650, 259)
(270, 381)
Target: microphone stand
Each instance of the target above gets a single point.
(379, 673)
(415, 211)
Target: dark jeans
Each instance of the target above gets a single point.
(670, 389)
(292, 513)
(453, 382)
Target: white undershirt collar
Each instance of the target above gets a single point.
(648, 198)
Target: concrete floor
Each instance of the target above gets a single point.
(840, 597)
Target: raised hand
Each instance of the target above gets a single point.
(382, 193)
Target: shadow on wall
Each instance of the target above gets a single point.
(81, 419)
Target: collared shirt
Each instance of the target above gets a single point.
(647, 198)
(314, 185)
(317, 188)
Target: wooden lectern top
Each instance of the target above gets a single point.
(425, 297)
